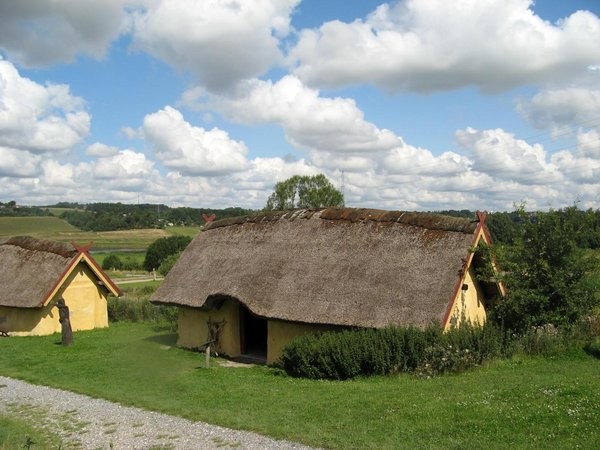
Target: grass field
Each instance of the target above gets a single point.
(59, 211)
(57, 229)
(47, 225)
(518, 403)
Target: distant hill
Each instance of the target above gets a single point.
(34, 226)
(119, 216)
(11, 209)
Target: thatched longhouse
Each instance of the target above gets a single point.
(36, 273)
(261, 280)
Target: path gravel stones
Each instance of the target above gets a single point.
(89, 423)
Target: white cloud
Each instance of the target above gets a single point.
(411, 160)
(337, 161)
(58, 176)
(563, 108)
(120, 177)
(504, 157)
(18, 163)
(100, 150)
(192, 150)
(39, 118)
(578, 169)
(588, 144)
(312, 122)
(220, 41)
(438, 45)
(39, 33)
(249, 188)
(264, 173)
(126, 164)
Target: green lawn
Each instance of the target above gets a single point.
(522, 403)
(17, 433)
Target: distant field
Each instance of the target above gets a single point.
(57, 229)
(58, 211)
(14, 226)
(183, 231)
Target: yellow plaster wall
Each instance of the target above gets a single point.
(192, 327)
(281, 332)
(86, 301)
(469, 304)
(30, 321)
(193, 330)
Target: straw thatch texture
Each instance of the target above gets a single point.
(30, 269)
(335, 266)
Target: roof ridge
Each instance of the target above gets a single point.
(427, 220)
(423, 219)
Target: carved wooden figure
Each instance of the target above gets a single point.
(65, 322)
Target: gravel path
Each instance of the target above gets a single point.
(89, 423)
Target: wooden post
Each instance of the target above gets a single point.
(208, 356)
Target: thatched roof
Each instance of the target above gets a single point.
(33, 269)
(343, 266)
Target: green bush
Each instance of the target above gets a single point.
(443, 358)
(593, 347)
(130, 263)
(361, 352)
(167, 264)
(112, 262)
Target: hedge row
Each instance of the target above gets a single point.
(364, 352)
(347, 354)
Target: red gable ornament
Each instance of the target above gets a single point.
(208, 219)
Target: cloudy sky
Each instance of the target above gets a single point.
(414, 104)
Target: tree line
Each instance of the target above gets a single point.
(11, 209)
(507, 227)
(119, 216)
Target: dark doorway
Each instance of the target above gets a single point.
(253, 335)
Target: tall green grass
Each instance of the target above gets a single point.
(522, 402)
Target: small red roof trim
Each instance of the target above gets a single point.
(82, 248)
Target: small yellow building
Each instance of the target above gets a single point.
(35, 273)
(249, 285)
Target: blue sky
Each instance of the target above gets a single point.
(422, 104)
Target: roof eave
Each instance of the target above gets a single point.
(481, 232)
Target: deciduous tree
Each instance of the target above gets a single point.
(160, 249)
(304, 192)
(546, 274)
